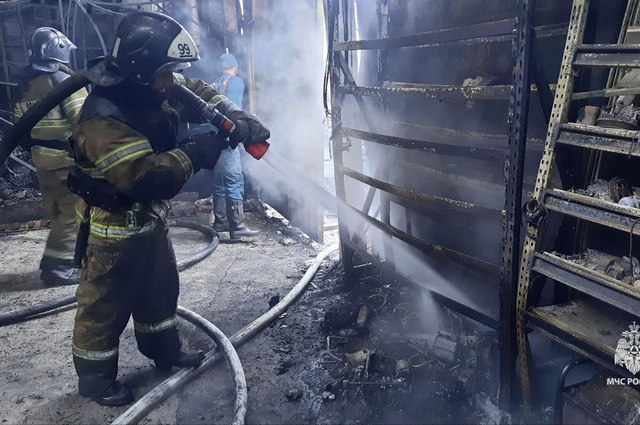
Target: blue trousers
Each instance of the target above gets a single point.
(227, 176)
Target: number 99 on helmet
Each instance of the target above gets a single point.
(147, 43)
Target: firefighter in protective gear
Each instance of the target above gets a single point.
(129, 165)
(50, 149)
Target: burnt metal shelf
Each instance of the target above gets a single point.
(608, 55)
(598, 285)
(432, 91)
(469, 138)
(486, 32)
(468, 151)
(419, 198)
(434, 250)
(587, 327)
(624, 142)
(594, 210)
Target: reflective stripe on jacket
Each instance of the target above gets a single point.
(58, 123)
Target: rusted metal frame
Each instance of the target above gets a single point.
(441, 178)
(608, 55)
(463, 221)
(604, 213)
(486, 29)
(608, 60)
(390, 273)
(433, 91)
(560, 386)
(22, 31)
(468, 151)
(603, 288)
(435, 250)
(419, 198)
(562, 335)
(384, 166)
(629, 16)
(514, 181)
(364, 110)
(451, 136)
(545, 95)
(5, 66)
(606, 93)
(431, 39)
(559, 114)
(336, 137)
(382, 170)
(624, 142)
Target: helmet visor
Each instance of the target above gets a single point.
(173, 67)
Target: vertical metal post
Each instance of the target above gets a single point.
(336, 136)
(5, 65)
(514, 175)
(383, 167)
(562, 99)
(23, 38)
(61, 15)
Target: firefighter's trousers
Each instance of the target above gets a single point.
(136, 276)
(59, 204)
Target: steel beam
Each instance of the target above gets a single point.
(483, 33)
(605, 213)
(432, 91)
(435, 250)
(421, 199)
(459, 150)
(600, 286)
(514, 182)
(624, 142)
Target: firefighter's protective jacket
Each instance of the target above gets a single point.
(50, 152)
(57, 124)
(127, 136)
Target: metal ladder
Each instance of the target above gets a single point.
(537, 264)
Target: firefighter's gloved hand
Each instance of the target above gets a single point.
(205, 149)
(249, 129)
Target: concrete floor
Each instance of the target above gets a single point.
(231, 288)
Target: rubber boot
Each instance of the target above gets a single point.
(237, 226)
(111, 394)
(58, 273)
(61, 276)
(185, 359)
(221, 224)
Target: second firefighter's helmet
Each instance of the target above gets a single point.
(49, 48)
(147, 43)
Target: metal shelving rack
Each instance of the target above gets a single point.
(590, 325)
(507, 150)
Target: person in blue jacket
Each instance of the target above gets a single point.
(228, 191)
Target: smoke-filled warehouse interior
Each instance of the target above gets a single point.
(319, 211)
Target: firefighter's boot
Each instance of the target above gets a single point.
(221, 223)
(237, 226)
(58, 273)
(184, 359)
(113, 395)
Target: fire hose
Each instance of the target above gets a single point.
(172, 384)
(225, 347)
(17, 316)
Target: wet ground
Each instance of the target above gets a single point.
(307, 367)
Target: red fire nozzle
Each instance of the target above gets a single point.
(257, 150)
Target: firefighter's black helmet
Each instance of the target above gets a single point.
(49, 48)
(148, 42)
